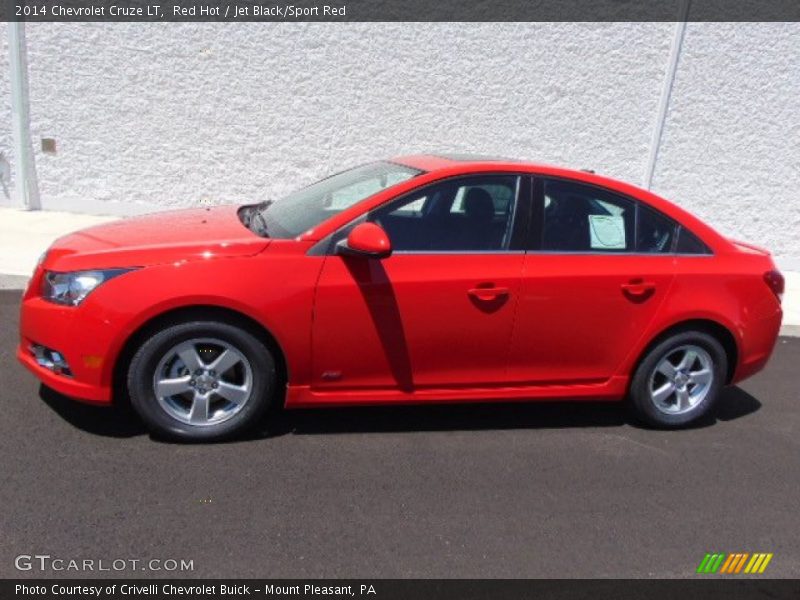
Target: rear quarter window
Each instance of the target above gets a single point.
(655, 233)
(689, 243)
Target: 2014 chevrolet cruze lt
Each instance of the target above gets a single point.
(420, 279)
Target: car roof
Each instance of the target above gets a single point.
(478, 162)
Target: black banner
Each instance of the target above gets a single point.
(399, 10)
(405, 589)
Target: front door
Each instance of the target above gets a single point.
(439, 312)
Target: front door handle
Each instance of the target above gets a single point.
(639, 288)
(488, 293)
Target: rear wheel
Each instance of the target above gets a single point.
(679, 380)
(201, 381)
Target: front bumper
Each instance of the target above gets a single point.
(83, 337)
(95, 394)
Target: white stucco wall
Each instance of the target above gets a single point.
(731, 146)
(6, 157)
(163, 115)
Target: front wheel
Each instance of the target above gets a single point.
(679, 380)
(201, 381)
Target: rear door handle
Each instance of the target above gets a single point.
(638, 287)
(488, 293)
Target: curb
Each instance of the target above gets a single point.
(790, 330)
(13, 282)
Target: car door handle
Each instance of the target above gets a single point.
(638, 288)
(488, 293)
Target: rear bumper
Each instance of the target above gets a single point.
(758, 341)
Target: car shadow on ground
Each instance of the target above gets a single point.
(734, 403)
(107, 421)
(122, 422)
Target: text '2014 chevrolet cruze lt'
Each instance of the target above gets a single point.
(419, 279)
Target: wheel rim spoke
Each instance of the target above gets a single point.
(667, 369)
(689, 358)
(225, 361)
(683, 399)
(190, 357)
(701, 377)
(172, 387)
(199, 411)
(233, 393)
(665, 391)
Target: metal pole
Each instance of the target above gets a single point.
(666, 92)
(25, 185)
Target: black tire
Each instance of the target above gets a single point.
(646, 407)
(142, 371)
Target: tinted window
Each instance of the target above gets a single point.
(688, 243)
(655, 232)
(466, 214)
(310, 206)
(582, 218)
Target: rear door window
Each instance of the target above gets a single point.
(584, 218)
(581, 218)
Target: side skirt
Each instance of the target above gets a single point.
(301, 396)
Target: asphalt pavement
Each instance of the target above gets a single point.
(536, 490)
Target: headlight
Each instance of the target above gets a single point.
(71, 288)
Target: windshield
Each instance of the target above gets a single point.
(310, 206)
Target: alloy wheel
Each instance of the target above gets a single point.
(681, 379)
(203, 381)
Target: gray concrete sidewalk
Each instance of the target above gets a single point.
(24, 235)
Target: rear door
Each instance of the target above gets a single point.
(598, 268)
(439, 312)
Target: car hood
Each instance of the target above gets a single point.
(158, 238)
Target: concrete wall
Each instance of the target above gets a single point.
(731, 146)
(165, 115)
(6, 174)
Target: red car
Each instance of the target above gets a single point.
(416, 280)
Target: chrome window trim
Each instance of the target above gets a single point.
(609, 253)
(456, 252)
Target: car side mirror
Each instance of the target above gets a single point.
(367, 240)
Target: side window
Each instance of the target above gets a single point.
(688, 243)
(655, 232)
(457, 215)
(502, 198)
(583, 218)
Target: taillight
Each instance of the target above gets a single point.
(775, 281)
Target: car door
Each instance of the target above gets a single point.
(437, 313)
(598, 268)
